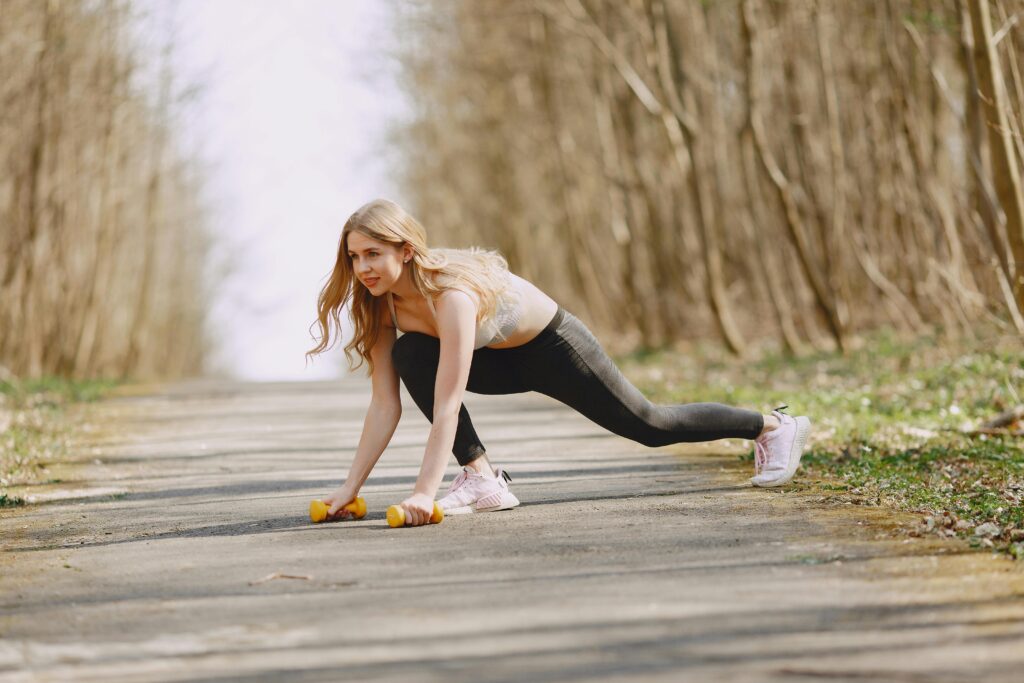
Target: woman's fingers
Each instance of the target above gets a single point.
(413, 515)
(336, 507)
(337, 511)
(407, 514)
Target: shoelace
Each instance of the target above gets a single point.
(457, 482)
(760, 452)
(760, 457)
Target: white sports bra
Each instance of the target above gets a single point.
(494, 329)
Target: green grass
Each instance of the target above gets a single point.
(888, 422)
(10, 501)
(53, 390)
(33, 430)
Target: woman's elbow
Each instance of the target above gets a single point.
(389, 407)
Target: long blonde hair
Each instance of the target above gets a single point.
(481, 272)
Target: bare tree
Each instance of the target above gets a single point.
(770, 173)
(96, 256)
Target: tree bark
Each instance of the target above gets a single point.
(1005, 172)
(701, 177)
(794, 222)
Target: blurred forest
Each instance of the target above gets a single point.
(762, 173)
(772, 173)
(101, 231)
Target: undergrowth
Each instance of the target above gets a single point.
(892, 423)
(33, 433)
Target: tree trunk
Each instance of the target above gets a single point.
(1005, 172)
(785, 193)
(700, 177)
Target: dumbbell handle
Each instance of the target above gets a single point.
(396, 515)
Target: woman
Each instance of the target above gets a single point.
(471, 324)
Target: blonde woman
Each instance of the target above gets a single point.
(467, 323)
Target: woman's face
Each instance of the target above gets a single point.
(376, 264)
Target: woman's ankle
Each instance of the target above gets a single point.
(481, 465)
(771, 423)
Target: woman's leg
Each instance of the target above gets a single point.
(567, 363)
(416, 358)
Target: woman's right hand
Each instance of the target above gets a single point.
(341, 497)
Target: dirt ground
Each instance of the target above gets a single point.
(622, 564)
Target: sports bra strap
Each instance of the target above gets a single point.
(394, 318)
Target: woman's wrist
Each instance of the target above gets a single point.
(424, 490)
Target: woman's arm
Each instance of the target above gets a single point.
(456, 326)
(382, 418)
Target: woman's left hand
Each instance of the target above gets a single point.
(418, 508)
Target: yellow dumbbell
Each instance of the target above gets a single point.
(396, 515)
(318, 509)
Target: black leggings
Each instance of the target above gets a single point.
(566, 362)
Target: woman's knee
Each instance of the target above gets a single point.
(412, 350)
(647, 431)
(654, 427)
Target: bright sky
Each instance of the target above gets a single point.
(295, 101)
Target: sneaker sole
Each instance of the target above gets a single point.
(507, 502)
(803, 430)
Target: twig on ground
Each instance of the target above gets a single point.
(279, 575)
(1005, 418)
(993, 432)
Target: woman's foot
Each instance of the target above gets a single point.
(475, 492)
(777, 451)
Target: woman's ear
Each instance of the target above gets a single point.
(407, 252)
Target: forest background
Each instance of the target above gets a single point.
(772, 177)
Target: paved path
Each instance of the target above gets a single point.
(622, 564)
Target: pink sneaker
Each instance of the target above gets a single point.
(472, 492)
(777, 453)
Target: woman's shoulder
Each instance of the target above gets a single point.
(447, 282)
(457, 293)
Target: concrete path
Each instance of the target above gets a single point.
(622, 564)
